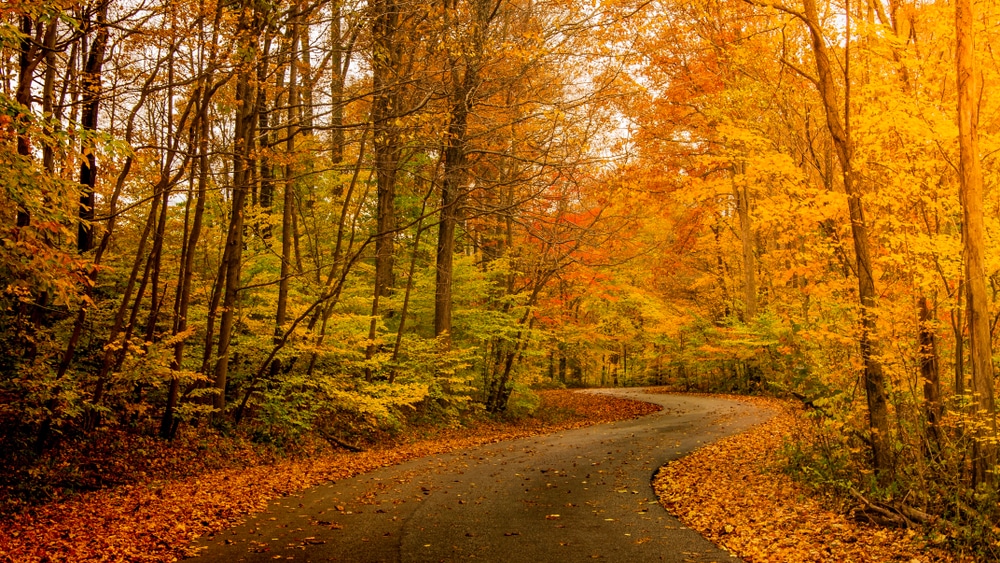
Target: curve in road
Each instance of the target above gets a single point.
(575, 495)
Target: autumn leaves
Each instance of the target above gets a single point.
(870, 231)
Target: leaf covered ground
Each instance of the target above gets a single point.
(734, 493)
(157, 519)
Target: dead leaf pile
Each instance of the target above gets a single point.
(734, 493)
(157, 521)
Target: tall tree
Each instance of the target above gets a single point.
(977, 302)
(244, 145)
(838, 125)
(470, 25)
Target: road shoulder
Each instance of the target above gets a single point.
(735, 493)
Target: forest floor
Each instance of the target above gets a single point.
(733, 492)
(736, 493)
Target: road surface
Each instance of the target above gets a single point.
(575, 495)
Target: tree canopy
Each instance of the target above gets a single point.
(329, 216)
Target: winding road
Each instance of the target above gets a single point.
(570, 496)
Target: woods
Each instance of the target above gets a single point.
(336, 218)
(265, 181)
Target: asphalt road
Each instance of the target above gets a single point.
(576, 495)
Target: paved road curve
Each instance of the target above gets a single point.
(571, 496)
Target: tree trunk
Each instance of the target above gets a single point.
(340, 263)
(289, 192)
(971, 192)
(746, 238)
(929, 371)
(28, 60)
(385, 108)
(874, 378)
(48, 90)
(451, 195)
(409, 287)
(244, 142)
(90, 84)
(337, 77)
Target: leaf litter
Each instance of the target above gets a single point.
(735, 493)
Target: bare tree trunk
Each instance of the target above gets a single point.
(451, 197)
(385, 108)
(340, 264)
(409, 287)
(28, 61)
(337, 78)
(110, 353)
(289, 192)
(465, 79)
(156, 259)
(48, 90)
(958, 331)
(266, 193)
(720, 267)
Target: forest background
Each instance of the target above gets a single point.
(281, 218)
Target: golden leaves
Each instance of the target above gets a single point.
(735, 494)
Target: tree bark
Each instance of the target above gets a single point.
(971, 192)
(746, 238)
(91, 86)
(28, 60)
(385, 108)
(929, 371)
(451, 196)
(337, 77)
(289, 191)
(243, 145)
(874, 378)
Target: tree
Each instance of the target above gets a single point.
(980, 347)
(838, 124)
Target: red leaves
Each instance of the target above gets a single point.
(594, 407)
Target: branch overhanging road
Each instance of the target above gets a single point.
(574, 495)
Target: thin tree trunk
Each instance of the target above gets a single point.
(48, 91)
(110, 353)
(28, 61)
(929, 371)
(451, 197)
(385, 108)
(289, 191)
(958, 331)
(266, 200)
(337, 77)
(244, 142)
(409, 288)
(339, 263)
(746, 238)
